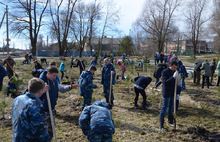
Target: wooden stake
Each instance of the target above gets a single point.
(175, 96)
(51, 117)
(110, 91)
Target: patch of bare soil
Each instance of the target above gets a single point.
(203, 134)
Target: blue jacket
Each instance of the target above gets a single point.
(142, 81)
(53, 91)
(168, 83)
(182, 70)
(37, 72)
(3, 73)
(86, 83)
(96, 119)
(106, 75)
(62, 66)
(93, 63)
(28, 120)
(157, 56)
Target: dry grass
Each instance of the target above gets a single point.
(198, 108)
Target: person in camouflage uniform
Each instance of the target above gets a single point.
(96, 122)
(107, 70)
(87, 86)
(28, 119)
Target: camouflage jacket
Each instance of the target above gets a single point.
(106, 75)
(96, 119)
(86, 83)
(28, 120)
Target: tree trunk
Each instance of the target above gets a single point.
(64, 46)
(33, 47)
(194, 51)
(90, 45)
(99, 47)
(61, 51)
(160, 47)
(90, 37)
(80, 52)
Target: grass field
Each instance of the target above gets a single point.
(197, 120)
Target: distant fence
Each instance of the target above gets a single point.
(45, 53)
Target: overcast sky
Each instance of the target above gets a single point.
(129, 12)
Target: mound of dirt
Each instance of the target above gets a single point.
(203, 134)
(199, 132)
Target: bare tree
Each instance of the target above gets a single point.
(61, 14)
(195, 20)
(27, 19)
(94, 9)
(157, 18)
(80, 25)
(214, 25)
(111, 17)
(84, 24)
(40, 41)
(215, 22)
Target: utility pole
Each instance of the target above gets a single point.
(7, 30)
(7, 27)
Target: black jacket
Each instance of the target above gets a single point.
(159, 70)
(142, 81)
(81, 66)
(168, 83)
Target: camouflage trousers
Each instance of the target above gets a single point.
(107, 93)
(100, 138)
(87, 99)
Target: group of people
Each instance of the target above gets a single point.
(31, 117)
(28, 58)
(108, 80)
(172, 76)
(34, 102)
(159, 57)
(207, 71)
(174, 72)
